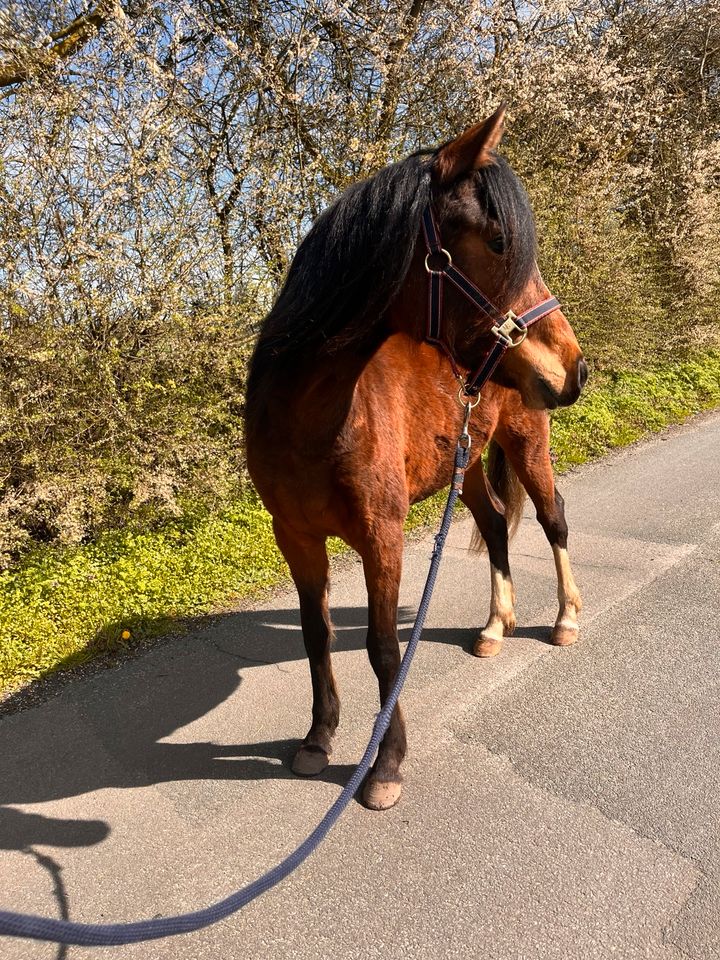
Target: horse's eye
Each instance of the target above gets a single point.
(497, 244)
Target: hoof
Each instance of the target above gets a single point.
(309, 761)
(564, 634)
(381, 796)
(486, 646)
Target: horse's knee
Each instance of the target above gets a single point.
(553, 522)
(384, 654)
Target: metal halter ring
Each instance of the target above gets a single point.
(465, 400)
(432, 254)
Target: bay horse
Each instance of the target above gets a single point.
(352, 415)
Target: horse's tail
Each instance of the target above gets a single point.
(504, 483)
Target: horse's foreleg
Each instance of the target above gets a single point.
(382, 563)
(530, 457)
(493, 528)
(308, 562)
(565, 631)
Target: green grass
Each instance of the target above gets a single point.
(620, 408)
(64, 606)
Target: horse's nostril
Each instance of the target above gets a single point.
(582, 373)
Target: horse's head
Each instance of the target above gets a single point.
(485, 221)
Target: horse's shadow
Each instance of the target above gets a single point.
(107, 731)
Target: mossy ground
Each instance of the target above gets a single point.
(65, 606)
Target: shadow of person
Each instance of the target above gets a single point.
(19, 830)
(107, 731)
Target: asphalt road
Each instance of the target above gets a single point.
(559, 803)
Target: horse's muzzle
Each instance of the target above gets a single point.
(570, 392)
(573, 390)
(582, 374)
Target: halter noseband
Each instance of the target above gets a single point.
(504, 324)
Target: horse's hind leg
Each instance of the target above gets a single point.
(382, 564)
(530, 457)
(494, 530)
(308, 562)
(566, 629)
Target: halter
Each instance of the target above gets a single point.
(504, 324)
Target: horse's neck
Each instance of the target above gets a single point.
(306, 398)
(322, 386)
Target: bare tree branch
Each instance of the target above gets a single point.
(65, 41)
(396, 51)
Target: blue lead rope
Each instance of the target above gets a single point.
(115, 934)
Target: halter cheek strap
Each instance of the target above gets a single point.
(439, 265)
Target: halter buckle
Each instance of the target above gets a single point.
(504, 330)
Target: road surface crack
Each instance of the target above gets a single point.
(242, 656)
(701, 874)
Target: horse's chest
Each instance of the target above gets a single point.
(428, 466)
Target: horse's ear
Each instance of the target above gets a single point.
(471, 150)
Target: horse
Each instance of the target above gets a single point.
(351, 407)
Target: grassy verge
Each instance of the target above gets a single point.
(61, 606)
(623, 407)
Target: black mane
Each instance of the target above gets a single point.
(351, 263)
(356, 256)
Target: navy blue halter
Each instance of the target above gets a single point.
(504, 325)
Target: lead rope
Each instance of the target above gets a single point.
(115, 934)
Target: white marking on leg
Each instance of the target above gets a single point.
(568, 593)
(502, 603)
